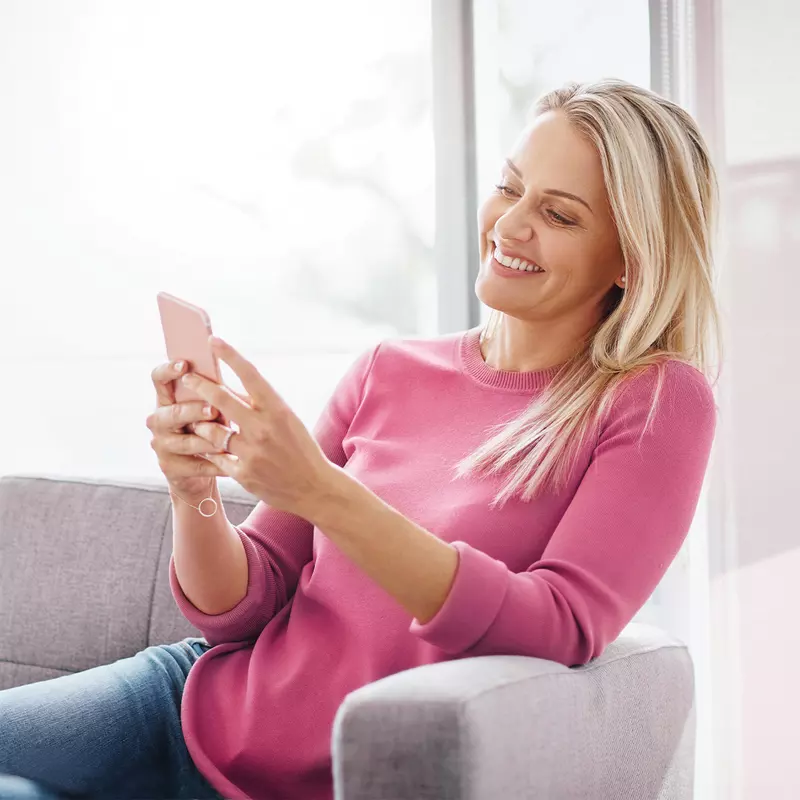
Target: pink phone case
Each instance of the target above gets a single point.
(186, 331)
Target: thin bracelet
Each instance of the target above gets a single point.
(208, 499)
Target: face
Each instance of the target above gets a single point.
(529, 216)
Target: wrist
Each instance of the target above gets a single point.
(192, 495)
(332, 493)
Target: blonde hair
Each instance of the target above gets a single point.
(663, 194)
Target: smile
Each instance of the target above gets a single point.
(511, 272)
(515, 263)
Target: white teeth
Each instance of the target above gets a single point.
(515, 263)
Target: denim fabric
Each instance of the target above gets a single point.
(113, 731)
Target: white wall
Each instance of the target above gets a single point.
(756, 585)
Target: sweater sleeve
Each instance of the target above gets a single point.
(624, 526)
(278, 544)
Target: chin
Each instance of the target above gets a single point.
(484, 292)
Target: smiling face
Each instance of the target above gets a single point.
(573, 239)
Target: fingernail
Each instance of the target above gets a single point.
(208, 411)
(178, 366)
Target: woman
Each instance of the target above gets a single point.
(401, 534)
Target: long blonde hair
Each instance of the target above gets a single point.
(664, 197)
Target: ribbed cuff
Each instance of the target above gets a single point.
(478, 591)
(236, 624)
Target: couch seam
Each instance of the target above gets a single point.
(640, 652)
(121, 485)
(573, 672)
(38, 666)
(235, 498)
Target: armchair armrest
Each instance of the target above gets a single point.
(512, 727)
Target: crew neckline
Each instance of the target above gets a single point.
(473, 363)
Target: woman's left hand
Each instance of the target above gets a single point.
(273, 455)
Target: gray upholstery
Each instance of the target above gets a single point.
(83, 582)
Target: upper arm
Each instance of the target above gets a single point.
(635, 504)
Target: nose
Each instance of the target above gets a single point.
(514, 224)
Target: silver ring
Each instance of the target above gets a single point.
(228, 440)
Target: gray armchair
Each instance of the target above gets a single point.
(486, 728)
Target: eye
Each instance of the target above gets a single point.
(507, 191)
(558, 218)
(504, 190)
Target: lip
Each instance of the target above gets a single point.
(510, 253)
(507, 272)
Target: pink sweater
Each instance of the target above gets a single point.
(557, 578)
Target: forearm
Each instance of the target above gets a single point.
(407, 561)
(209, 557)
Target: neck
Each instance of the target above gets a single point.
(517, 346)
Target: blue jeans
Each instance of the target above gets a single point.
(113, 731)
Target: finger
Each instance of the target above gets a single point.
(185, 444)
(222, 419)
(230, 403)
(217, 435)
(253, 381)
(173, 418)
(163, 376)
(242, 396)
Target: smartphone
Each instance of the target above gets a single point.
(186, 331)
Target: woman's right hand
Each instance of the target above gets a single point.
(179, 449)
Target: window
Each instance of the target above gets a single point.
(274, 168)
(526, 47)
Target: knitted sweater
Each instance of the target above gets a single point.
(556, 578)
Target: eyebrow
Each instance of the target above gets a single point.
(515, 169)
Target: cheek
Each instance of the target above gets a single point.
(584, 260)
(573, 258)
(560, 248)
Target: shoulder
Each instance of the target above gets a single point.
(675, 379)
(404, 353)
(667, 397)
